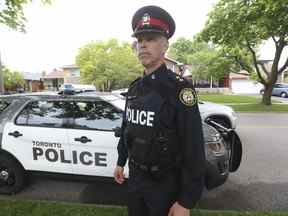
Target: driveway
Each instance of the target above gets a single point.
(261, 183)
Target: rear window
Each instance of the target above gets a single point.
(3, 105)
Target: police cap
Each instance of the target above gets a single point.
(153, 19)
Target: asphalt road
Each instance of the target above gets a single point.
(261, 183)
(283, 100)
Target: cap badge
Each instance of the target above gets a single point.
(146, 19)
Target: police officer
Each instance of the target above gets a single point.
(161, 130)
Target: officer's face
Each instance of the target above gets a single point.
(151, 48)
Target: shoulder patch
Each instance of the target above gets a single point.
(188, 96)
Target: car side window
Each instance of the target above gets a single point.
(96, 115)
(3, 105)
(42, 113)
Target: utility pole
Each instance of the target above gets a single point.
(2, 90)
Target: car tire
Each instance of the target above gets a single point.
(12, 175)
(283, 94)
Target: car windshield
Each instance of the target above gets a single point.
(67, 86)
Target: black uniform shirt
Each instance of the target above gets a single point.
(186, 120)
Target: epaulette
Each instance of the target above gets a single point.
(185, 90)
(178, 79)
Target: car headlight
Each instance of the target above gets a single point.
(217, 148)
(233, 113)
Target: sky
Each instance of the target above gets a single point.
(56, 32)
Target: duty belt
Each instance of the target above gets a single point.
(143, 167)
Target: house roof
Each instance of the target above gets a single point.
(69, 66)
(31, 76)
(173, 61)
(241, 75)
(54, 74)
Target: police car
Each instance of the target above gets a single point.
(75, 135)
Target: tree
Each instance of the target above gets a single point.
(206, 59)
(246, 24)
(12, 79)
(12, 14)
(108, 64)
(181, 50)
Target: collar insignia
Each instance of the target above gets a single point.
(179, 78)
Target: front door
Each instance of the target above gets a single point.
(92, 137)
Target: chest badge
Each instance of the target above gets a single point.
(188, 96)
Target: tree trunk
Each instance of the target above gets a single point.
(266, 99)
(211, 82)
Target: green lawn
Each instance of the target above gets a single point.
(230, 99)
(245, 103)
(260, 108)
(41, 208)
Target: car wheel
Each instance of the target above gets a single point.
(12, 175)
(283, 94)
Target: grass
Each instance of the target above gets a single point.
(242, 103)
(41, 208)
(229, 99)
(260, 108)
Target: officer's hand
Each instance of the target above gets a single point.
(119, 174)
(178, 210)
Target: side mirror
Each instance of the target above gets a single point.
(117, 131)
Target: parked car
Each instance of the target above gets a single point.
(68, 88)
(279, 89)
(74, 135)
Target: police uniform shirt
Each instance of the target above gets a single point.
(180, 112)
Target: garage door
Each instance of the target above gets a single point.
(245, 87)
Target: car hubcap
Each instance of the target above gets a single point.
(4, 175)
(6, 178)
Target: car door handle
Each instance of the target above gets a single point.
(15, 134)
(82, 139)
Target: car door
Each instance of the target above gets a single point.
(37, 138)
(276, 90)
(92, 137)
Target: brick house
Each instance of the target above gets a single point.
(33, 82)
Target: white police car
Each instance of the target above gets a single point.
(74, 135)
